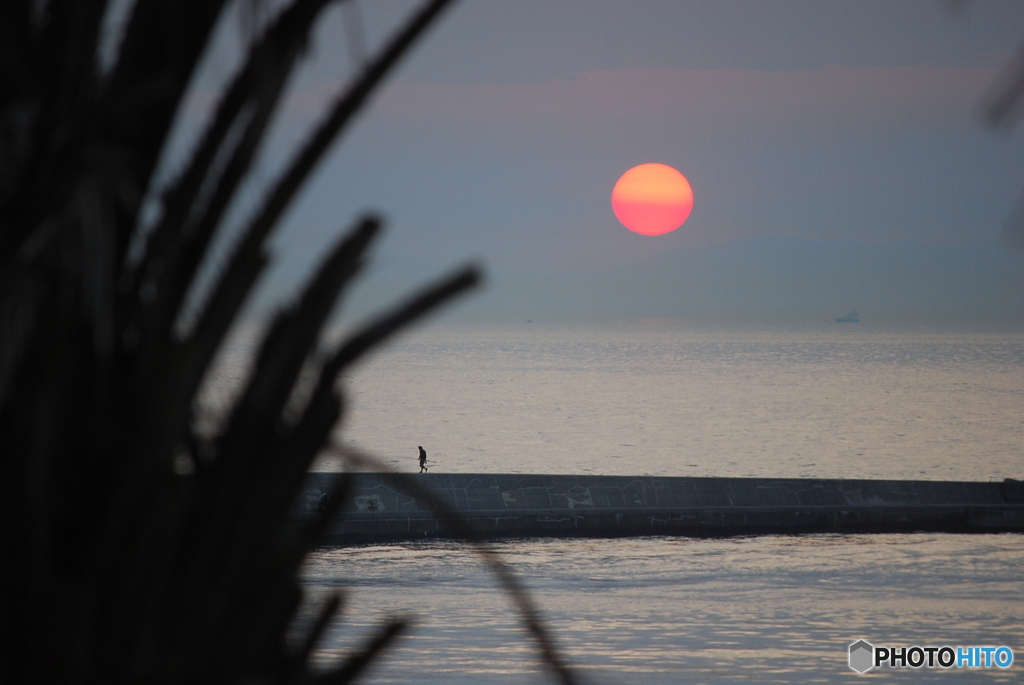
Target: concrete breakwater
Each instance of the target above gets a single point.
(514, 505)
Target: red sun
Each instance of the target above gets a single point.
(652, 199)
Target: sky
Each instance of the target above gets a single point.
(836, 152)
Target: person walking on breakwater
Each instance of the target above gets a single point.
(423, 460)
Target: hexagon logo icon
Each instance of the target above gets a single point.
(861, 656)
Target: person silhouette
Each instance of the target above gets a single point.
(423, 460)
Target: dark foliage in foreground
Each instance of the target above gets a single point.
(133, 550)
(1001, 110)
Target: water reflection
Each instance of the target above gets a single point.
(664, 610)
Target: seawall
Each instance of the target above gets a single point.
(512, 505)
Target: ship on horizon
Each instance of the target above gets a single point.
(852, 317)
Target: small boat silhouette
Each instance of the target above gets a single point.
(852, 317)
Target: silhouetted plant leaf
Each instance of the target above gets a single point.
(134, 547)
(358, 662)
(409, 485)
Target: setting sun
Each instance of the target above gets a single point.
(652, 199)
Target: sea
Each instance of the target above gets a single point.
(671, 398)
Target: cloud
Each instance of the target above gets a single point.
(829, 96)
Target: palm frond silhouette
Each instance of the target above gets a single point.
(135, 549)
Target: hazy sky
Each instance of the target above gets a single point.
(502, 135)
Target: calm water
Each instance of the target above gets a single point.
(842, 401)
(839, 402)
(663, 610)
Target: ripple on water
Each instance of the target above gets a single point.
(667, 610)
